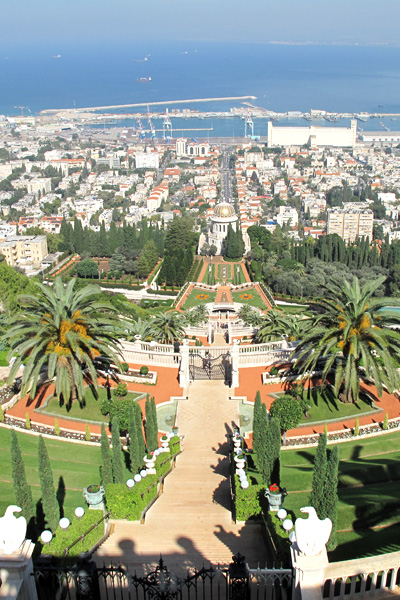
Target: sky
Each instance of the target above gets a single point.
(93, 21)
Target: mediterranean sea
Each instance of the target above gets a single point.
(282, 77)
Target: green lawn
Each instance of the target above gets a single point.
(206, 296)
(287, 309)
(90, 410)
(77, 465)
(369, 483)
(254, 298)
(210, 267)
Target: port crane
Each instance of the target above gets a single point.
(140, 128)
(152, 129)
(22, 109)
(167, 126)
(249, 126)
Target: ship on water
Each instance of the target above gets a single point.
(143, 80)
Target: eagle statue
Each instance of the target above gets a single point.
(12, 530)
(313, 533)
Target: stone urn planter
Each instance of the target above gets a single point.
(94, 495)
(165, 443)
(275, 496)
(175, 431)
(149, 461)
(237, 441)
(240, 461)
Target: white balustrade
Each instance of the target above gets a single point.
(361, 577)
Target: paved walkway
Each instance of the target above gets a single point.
(191, 521)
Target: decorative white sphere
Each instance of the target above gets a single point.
(292, 537)
(244, 484)
(240, 472)
(143, 473)
(282, 514)
(137, 477)
(46, 536)
(79, 512)
(130, 483)
(287, 524)
(243, 476)
(64, 523)
(156, 452)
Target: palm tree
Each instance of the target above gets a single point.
(167, 327)
(272, 327)
(59, 334)
(139, 327)
(353, 337)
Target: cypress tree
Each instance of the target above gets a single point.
(155, 422)
(22, 489)
(331, 495)
(106, 465)
(150, 427)
(117, 456)
(264, 452)
(275, 440)
(136, 459)
(319, 476)
(139, 432)
(49, 499)
(257, 422)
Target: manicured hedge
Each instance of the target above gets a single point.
(64, 538)
(163, 292)
(125, 503)
(247, 502)
(279, 536)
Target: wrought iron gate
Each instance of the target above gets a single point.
(206, 367)
(86, 581)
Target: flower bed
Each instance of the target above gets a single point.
(6, 394)
(136, 376)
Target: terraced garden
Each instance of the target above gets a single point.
(369, 503)
(199, 296)
(249, 296)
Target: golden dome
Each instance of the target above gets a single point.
(224, 210)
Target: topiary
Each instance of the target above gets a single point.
(57, 429)
(121, 390)
(124, 367)
(385, 423)
(88, 437)
(27, 421)
(144, 370)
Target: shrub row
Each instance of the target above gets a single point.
(279, 536)
(247, 503)
(125, 503)
(162, 292)
(64, 538)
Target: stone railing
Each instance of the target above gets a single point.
(151, 353)
(264, 358)
(362, 577)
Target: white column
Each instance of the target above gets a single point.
(184, 366)
(308, 574)
(235, 363)
(16, 574)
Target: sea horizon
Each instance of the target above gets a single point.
(283, 76)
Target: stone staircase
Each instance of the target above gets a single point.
(190, 524)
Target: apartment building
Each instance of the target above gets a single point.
(24, 250)
(350, 223)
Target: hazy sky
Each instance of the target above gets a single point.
(64, 21)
